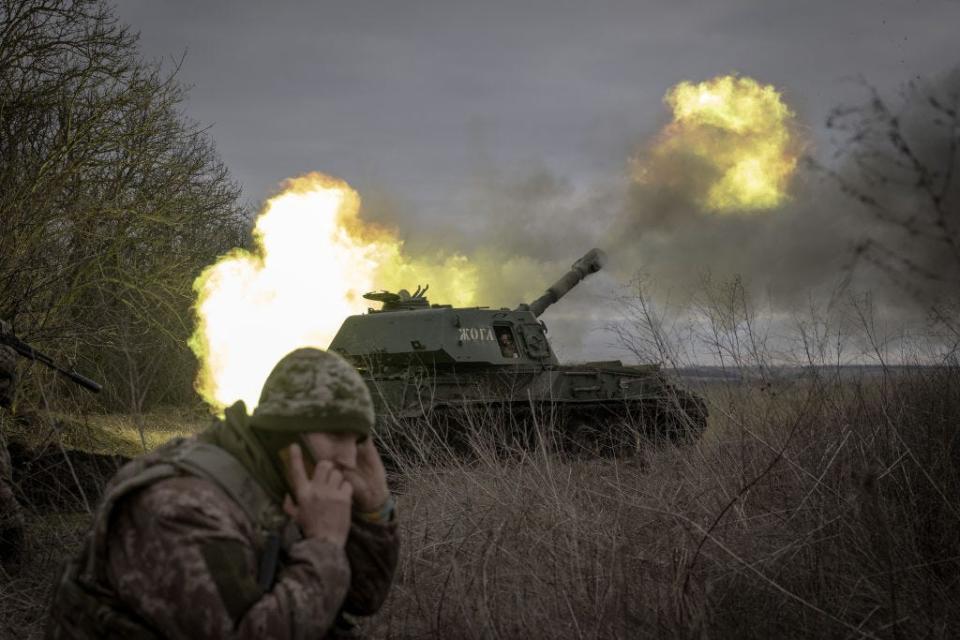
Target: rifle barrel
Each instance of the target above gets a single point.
(29, 352)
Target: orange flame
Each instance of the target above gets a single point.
(740, 131)
(314, 259)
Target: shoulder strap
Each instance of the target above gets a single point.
(209, 461)
(199, 459)
(191, 457)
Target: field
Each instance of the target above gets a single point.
(816, 506)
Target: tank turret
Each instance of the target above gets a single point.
(409, 330)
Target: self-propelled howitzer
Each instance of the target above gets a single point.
(431, 361)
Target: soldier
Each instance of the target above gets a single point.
(507, 347)
(276, 525)
(11, 516)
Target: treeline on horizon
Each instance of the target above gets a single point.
(111, 203)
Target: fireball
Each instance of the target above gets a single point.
(740, 132)
(313, 260)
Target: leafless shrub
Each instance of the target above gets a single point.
(111, 201)
(901, 165)
(820, 503)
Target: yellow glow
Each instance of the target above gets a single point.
(741, 130)
(314, 258)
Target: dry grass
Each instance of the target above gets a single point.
(54, 537)
(810, 508)
(815, 507)
(120, 434)
(25, 589)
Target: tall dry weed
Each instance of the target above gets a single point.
(822, 502)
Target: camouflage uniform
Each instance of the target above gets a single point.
(11, 516)
(190, 541)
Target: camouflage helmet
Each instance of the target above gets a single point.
(311, 390)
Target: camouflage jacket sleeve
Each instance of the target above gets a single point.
(372, 550)
(183, 557)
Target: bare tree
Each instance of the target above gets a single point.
(111, 201)
(900, 161)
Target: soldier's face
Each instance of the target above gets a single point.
(338, 448)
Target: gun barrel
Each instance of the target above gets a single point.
(29, 352)
(81, 380)
(591, 262)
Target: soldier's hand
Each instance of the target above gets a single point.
(369, 479)
(321, 504)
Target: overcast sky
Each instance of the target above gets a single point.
(416, 97)
(434, 110)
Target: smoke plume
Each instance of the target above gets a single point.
(870, 221)
(719, 193)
